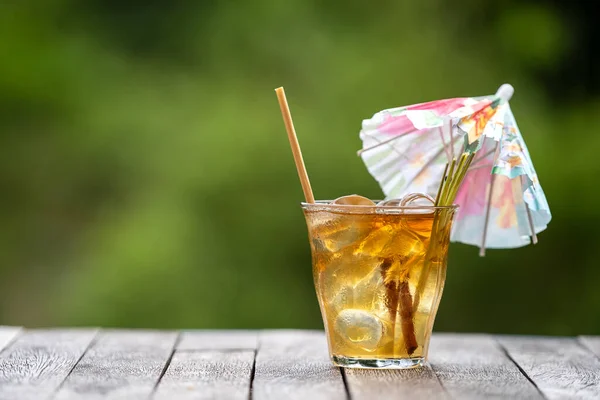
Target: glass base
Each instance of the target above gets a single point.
(378, 363)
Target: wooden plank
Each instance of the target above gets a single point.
(207, 375)
(592, 343)
(476, 367)
(37, 362)
(415, 383)
(560, 367)
(295, 365)
(120, 365)
(218, 340)
(7, 334)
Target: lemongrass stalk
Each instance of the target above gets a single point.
(437, 197)
(458, 179)
(453, 174)
(452, 166)
(447, 181)
(447, 191)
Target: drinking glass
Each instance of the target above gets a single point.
(379, 272)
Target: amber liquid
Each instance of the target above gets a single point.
(379, 278)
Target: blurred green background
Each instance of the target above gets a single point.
(146, 179)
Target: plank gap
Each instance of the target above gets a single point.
(164, 371)
(560, 367)
(90, 344)
(167, 363)
(591, 344)
(343, 373)
(8, 335)
(439, 379)
(40, 360)
(295, 364)
(207, 375)
(474, 366)
(252, 373)
(521, 370)
(120, 364)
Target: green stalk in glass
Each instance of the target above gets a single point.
(449, 185)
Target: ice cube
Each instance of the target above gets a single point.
(353, 200)
(353, 282)
(406, 246)
(360, 328)
(424, 201)
(356, 295)
(342, 299)
(390, 202)
(343, 274)
(345, 236)
(389, 241)
(335, 283)
(417, 199)
(334, 232)
(369, 292)
(375, 242)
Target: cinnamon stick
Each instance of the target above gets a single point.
(398, 297)
(406, 315)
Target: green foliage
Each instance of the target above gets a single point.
(147, 180)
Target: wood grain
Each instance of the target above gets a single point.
(560, 367)
(37, 362)
(207, 375)
(417, 383)
(7, 334)
(54, 363)
(476, 367)
(120, 365)
(295, 365)
(218, 340)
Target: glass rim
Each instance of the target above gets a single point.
(325, 205)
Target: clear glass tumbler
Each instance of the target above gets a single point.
(379, 272)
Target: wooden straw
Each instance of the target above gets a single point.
(289, 126)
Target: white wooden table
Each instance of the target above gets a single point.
(284, 364)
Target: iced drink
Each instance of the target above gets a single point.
(379, 274)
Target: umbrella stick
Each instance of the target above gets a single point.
(488, 206)
(441, 130)
(476, 167)
(483, 157)
(534, 238)
(289, 126)
(359, 152)
(487, 216)
(451, 140)
(425, 166)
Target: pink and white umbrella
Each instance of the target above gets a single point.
(502, 204)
